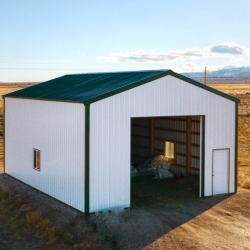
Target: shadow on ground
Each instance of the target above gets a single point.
(165, 214)
(158, 207)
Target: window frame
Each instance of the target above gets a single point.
(173, 160)
(35, 151)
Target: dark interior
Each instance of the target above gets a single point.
(177, 138)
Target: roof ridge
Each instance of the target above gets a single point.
(132, 71)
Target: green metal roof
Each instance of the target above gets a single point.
(90, 87)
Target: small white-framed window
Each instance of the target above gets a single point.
(169, 150)
(37, 159)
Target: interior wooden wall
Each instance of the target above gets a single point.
(148, 136)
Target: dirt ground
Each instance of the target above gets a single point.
(164, 215)
(170, 217)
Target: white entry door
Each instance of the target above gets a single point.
(220, 171)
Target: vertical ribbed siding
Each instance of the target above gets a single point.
(163, 123)
(167, 96)
(195, 139)
(57, 130)
(166, 129)
(140, 146)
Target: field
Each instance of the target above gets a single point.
(229, 86)
(163, 216)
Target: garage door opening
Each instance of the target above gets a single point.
(165, 159)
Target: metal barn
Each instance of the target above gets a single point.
(74, 137)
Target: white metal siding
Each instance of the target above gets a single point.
(55, 128)
(110, 133)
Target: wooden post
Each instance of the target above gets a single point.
(152, 137)
(188, 145)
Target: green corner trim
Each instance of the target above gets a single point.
(166, 73)
(203, 159)
(236, 147)
(4, 136)
(87, 144)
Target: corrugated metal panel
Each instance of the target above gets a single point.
(194, 172)
(181, 149)
(140, 127)
(160, 125)
(140, 141)
(166, 123)
(92, 87)
(195, 139)
(110, 133)
(55, 128)
(83, 87)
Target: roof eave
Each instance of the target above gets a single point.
(166, 73)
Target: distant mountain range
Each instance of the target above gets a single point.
(229, 71)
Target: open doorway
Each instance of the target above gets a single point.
(165, 158)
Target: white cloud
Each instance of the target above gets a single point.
(227, 49)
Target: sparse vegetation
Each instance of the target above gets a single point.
(246, 183)
(19, 222)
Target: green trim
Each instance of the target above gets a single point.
(40, 99)
(166, 73)
(203, 158)
(236, 147)
(203, 86)
(87, 144)
(130, 86)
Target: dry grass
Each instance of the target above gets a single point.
(84, 246)
(52, 235)
(5, 195)
(44, 229)
(229, 86)
(19, 222)
(36, 220)
(22, 223)
(246, 183)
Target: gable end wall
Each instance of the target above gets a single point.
(110, 133)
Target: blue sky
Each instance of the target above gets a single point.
(40, 40)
